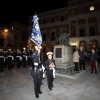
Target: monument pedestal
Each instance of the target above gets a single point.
(63, 55)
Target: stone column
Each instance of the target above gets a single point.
(87, 27)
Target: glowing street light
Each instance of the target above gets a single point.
(6, 30)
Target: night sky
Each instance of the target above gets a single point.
(16, 10)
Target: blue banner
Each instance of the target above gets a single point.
(36, 36)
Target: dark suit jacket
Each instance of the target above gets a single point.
(48, 70)
(35, 58)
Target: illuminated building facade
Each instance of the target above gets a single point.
(81, 19)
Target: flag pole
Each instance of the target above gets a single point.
(35, 13)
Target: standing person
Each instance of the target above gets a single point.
(2, 59)
(14, 53)
(21, 54)
(25, 58)
(81, 59)
(18, 59)
(13, 64)
(31, 52)
(93, 61)
(37, 71)
(28, 54)
(76, 60)
(10, 59)
(50, 71)
(5, 62)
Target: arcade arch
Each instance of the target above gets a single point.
(93, 44)
(83, 44)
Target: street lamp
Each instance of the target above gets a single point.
(6, 30)
(5, 33)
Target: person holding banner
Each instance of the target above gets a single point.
(37, 71)
(50, 70)
(37, 59)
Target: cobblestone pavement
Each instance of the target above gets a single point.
(17, 84)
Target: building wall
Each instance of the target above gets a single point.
(82, 24)
(6, 38)
(76, 41)
(17, 36)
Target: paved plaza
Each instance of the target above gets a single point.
(17, 84)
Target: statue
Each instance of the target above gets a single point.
(64, 38)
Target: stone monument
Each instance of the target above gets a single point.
(63, 53)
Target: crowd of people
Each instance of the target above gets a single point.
(17, 58)
(40, 68)
(49, 66)
(79, 60)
